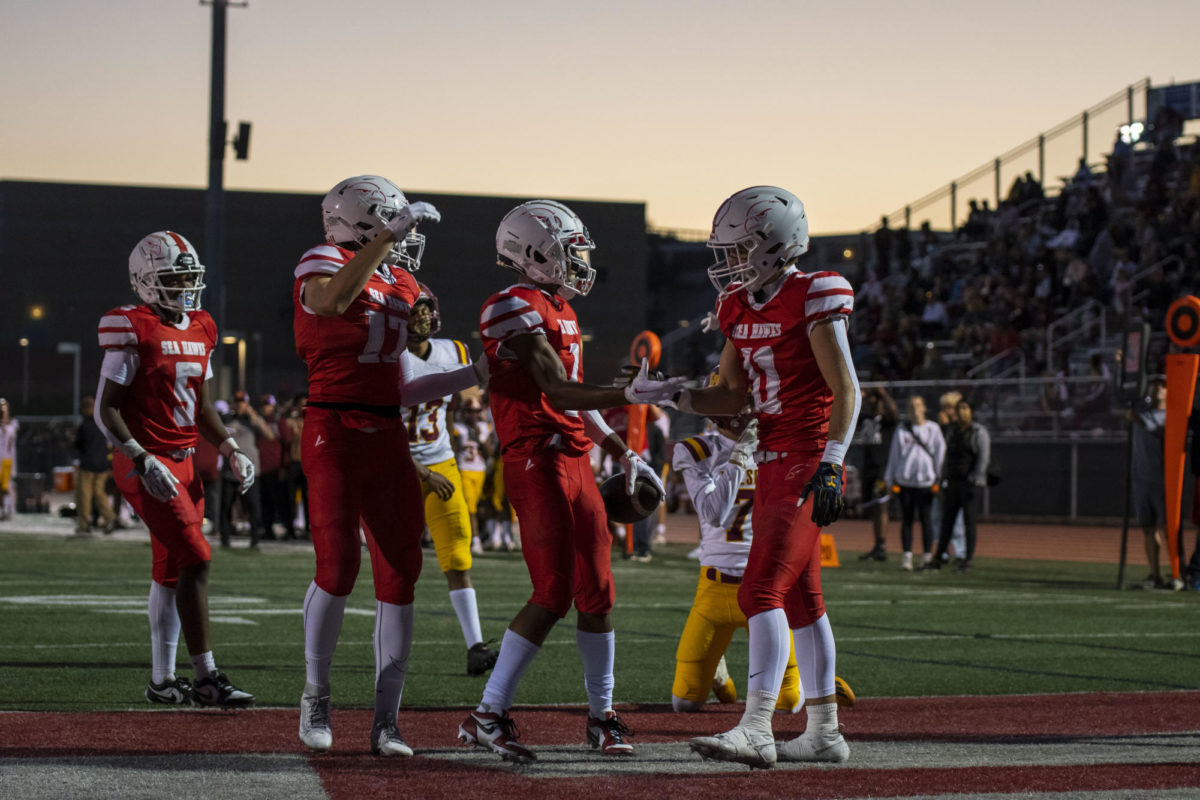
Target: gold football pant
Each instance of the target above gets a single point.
(449, 522)
(714, 617)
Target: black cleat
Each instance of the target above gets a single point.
(176, 692)
(480, 658)
(216, 690)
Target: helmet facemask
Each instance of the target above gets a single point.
(732, 268)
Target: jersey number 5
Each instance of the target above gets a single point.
(185, 412)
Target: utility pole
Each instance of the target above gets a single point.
(213, 257)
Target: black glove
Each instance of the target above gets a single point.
(826, 489)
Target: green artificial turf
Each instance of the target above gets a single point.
(74, 635)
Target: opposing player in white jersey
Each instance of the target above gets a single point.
(446, 512)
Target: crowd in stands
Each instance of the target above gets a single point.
(1127, 237)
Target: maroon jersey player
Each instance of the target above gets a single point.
(534, 348)
(786, 345)
(154, 402)
(352, 300)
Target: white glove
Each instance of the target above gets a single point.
(482, 368)
(239, 463)
(710, 322)
(408, 217)
(743, 450)
(158, 480)
(634, 466)
(243, 469)
(644, 389)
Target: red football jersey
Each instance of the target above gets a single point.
(160, 404)
(791, 399)
(355, 357)
(525, 420)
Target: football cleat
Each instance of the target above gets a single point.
(722, 685)
(480, 658)
(316, 727)
(216, 690)
(497, 732)
(175, 692)
(829, 747)
(843, 694)
(609, 735)
(740, 745)
(387, 741)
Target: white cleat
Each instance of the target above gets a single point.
(387, 741)
(830, 747)
(740, 745)
(315, 728)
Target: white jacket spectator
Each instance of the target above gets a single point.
(915, 459)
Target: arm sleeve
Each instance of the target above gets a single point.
(713, 490)
(594, 425)
(835, 450)
(119, 366)
(437, 385)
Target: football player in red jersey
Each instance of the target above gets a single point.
(154, 401)
(786, 344)
(353, 297)
(532, 341)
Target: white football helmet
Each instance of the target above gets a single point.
(356, 211)
(754, 234)
(165, 271)
(548, 243)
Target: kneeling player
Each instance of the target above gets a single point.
(154, 400)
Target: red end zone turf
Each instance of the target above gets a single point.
(350, 772)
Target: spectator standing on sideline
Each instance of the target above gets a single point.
(92, 447)
(270, 458)
(244, 426)
(1149, 485)
(876, 425)
(290, 429)
(964, 474)
(8, 460)
(945, 419)
(914, 466)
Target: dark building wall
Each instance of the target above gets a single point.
(66, 247)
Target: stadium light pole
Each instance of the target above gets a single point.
(24, 342)
(214, 197)
(73, 349)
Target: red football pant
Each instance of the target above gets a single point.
(176, 533)
(354, 477)
(784, 566)
(564, 532)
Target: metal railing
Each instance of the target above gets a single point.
(1077, 324)
(995, 167)
(1016, 354)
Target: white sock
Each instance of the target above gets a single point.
(768, 651)
(467, 612)
(204, 664)
(760, 706)
(322, 623)
(822, 719)
(597, 650)
(516, 654)
(816, 657)
(393, 642)
(164, 632)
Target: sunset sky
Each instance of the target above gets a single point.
(857, 107)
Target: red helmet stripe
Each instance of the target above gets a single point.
(180, 242)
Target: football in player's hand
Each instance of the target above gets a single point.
(625, 509)
(629, 372)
